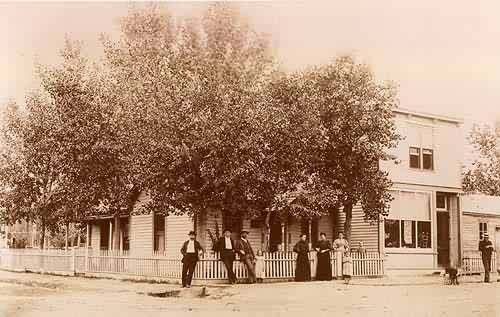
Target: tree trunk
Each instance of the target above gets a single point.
(42, 235)
(335, 221)
(348, 221)
(116, 233)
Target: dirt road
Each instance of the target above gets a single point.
(42, 295)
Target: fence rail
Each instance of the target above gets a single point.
(275, 265)
(472, 263)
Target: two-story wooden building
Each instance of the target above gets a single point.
(421, 231)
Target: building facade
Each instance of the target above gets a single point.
(481, 214)
(421, 232)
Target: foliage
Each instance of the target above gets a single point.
(483, 175)
(353, 118)
(197, 101)
(196, 112)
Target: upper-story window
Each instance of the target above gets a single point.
(421, 158)
(414, 157)
(427, 159)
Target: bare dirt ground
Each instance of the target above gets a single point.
(23, 294)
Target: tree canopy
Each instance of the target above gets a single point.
(196, 112)
(483, 175)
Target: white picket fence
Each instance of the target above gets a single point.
(277, 265)
(472, 263)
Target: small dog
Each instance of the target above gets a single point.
(452, 274)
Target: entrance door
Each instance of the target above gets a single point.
(443, 238)
(497, 246)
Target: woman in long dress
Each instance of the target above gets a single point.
(340, 246)
(324, 267)
(347, 267)
(303, 268)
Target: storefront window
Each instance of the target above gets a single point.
(408, 234)
(408, 224)
(391, 233)
(424, 234)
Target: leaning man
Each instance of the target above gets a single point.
(486, 248)
(190, 250)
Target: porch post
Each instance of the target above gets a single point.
(309, 229)
(283, 236)
(110, 241)
(87, 240)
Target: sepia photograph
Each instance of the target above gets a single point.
(249, 158)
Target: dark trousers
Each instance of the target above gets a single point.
(251, 269)
(228, 263)
(487, 268)
(188, 265)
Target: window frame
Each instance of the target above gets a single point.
(445, 202)
(432, 159)
(420, 151)
(415, 235)
(418, 155)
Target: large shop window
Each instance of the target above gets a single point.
(408, 224)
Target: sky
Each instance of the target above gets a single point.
(444, 55)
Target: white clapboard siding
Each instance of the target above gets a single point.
(434, 134)
(470, 232)
(254, 236)
(361, 230)
(141, 228)
(141, 231)
(293, 232)
(96, 236)
(177, 228)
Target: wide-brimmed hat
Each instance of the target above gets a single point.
(227, 229)
(192, 233)
(486, 234)
(244, 231)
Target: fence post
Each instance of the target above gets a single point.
(86, 259)
(73, 260)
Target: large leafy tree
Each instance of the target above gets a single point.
(29, 169)
(354, 113)
(98, 177)
(483, 175)
(210, 137)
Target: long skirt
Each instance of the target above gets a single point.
(338, 263)
(303, 268)
(347, 267)
(324, 268)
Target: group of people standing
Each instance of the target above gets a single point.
(340, 247)
(228, 248)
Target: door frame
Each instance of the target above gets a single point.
(447, 213)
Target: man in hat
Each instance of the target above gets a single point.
(225, 245)
(247, 256)
(486, 248)
(190, 250)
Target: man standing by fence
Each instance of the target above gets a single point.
(225, 246)
(190, 250)
(247, 255)
(486, 248)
